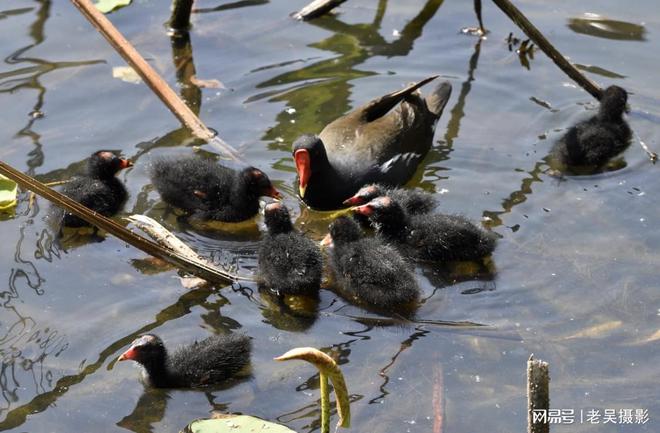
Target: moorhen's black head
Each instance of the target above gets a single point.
(105, 164)
(147, 349)
(257, 183)
(383, 211)
(613, 103)
(342, 231)
(277, 219)
(365, 195)
(308, 154)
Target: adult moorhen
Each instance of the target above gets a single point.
(98, 188)
(383, 141)
(207, 362)
(432, 237)
(210, 191)
(289, 263)
(592, 143)
(368, 270)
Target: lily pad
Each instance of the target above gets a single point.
(235, 424)
(7, 193)
(107, 6)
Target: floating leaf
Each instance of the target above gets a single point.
(107, 6)
(235, 424)
(127, 74)
(7, 193)
(597, 331)
(207, 84)
(601, 27)
(650, 339)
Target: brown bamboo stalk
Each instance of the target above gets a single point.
(535, 35)
(152, 79)
(538, 395)
(180, 18)
(316, 9)
(198, 269)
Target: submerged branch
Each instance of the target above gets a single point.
(198, 269)
(153, 80)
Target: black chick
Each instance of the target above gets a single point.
(594, 142)
(413, 201)
(97, 189)
(368, 270)
(210, 191)
(207, 362)
(289, 263)
(432, 237)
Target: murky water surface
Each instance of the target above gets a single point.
(576, 279)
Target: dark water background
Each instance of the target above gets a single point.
(577, 265)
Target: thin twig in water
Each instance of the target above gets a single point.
(477, 10)
(653, 157)
(534, 34)
(153, 80)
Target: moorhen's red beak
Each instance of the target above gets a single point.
(365, 210)
(129, 354)
(304, 169)
(353, 201)
(327, 241)
(125, 163)
(272, 192)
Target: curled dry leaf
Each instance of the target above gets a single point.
(327, 366)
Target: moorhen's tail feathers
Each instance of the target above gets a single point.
(437, 100)
(381, 106)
